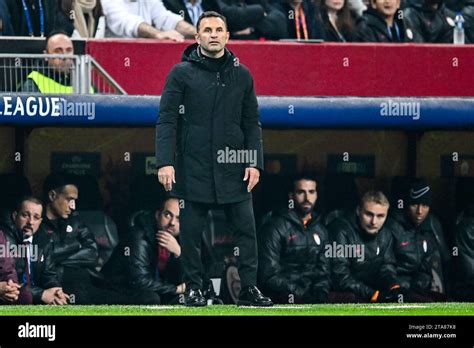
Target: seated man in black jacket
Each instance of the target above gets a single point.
(33, 249)
(361, 252)
(292, 264)
(429, 21)
(419, 246)
(382, 22)
(464, 290)
(75, 251)
(155, 267)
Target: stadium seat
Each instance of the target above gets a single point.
(12, 188)
(89, 206)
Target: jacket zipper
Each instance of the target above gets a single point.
(218, 78)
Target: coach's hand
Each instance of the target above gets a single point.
(166, 177)
(253, 176)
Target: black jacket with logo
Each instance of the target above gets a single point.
(364, 272)
(373, 28)
(74, 244)
(43, 270)
(418, 251)
(143, 258)
(291, 258)
(203, 113)
(425, 24)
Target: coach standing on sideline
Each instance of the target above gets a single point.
(208, 107)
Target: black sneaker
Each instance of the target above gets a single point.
(194, 298)
(251, 296)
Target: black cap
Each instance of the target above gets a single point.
(420, 192)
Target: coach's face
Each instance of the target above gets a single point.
(212, 36)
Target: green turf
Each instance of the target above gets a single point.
(435, 309)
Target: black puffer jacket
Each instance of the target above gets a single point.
(418, 250)
(292, 260)
(368, 270)
(425, 24)
(373, 28)
(219, 113)
(74, 244)
(43, 270)
(143, 258)
(465, 244)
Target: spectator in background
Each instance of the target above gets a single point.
(34, 266)
(85, 15)
(358, 6)
(155, 267)
(468, 14)
(190, 10)
(37, 17)
(253, 19)
(362, 258)
(55, 76)
(337, 20)
(6, 28)
(144, 19)
(292, 264)
(382, 22)
(419, 246)
(300, 19)
(429, 21)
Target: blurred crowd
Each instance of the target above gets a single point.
(430, 21)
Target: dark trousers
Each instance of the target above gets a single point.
(241, 221)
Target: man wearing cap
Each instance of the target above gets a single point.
(419, 246)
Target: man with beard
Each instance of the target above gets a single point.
(428, 21)
(362, 258)
(208, 130)
(292, 264)
(155, 267)
(33, 262)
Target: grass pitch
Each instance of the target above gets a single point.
(406, 309)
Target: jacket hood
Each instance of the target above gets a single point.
(193, 54)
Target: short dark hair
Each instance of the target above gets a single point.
(209, 14)
(56, 182)
(54, 33)
(302, 176)
(19, 203)
(161, 204)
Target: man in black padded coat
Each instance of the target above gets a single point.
(208, 130)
